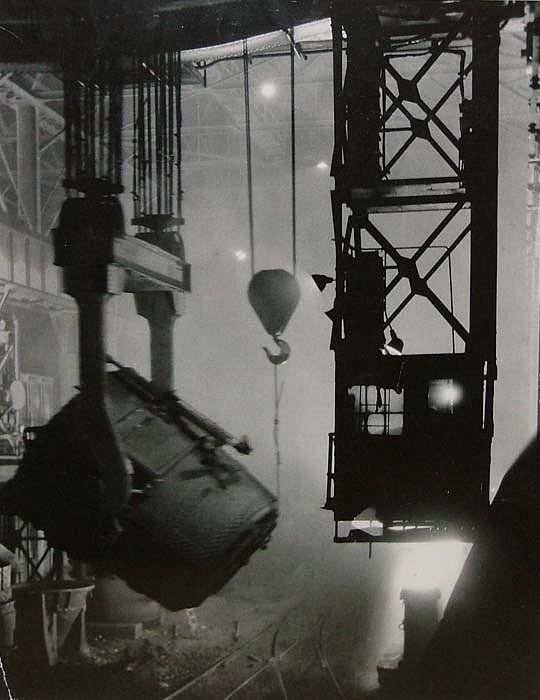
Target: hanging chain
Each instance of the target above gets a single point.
(93, 121)
(157, 152)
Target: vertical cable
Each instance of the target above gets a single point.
(134, 142)
(170, 129)
(110, 121)
(77, 128)
(179, 193)
(117, 122)
(248, 156)
(157, 132)
(277, 399)
(92, 135)
(101, 119)
(68, 118)
(163, 127)
(85, 132)
(150, 174)
(293, 154)
(141, 118)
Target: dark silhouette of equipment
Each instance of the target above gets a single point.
(413, 431)
(274, 295)
(194, 515)
(126, 476)
(488, 642)
(322, 281)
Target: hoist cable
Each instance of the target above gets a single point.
(248, 156)
(278, 390)
(178, 105)
(157, 131)
(134, 144)
(293, 154)
(149, 127)
(170, 112)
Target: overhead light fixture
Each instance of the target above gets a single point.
(394, 346)
(268, 89)
(240, 255)
(322, 165)
(321, 281)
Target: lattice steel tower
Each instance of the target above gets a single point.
(414, 319)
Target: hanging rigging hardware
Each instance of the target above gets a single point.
(294, 45)
(284, 351)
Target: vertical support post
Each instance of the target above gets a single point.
(82, 244)
(91, 341)
(158, 308)
(361, 93)
(484, 190)
(339, 105)
(28, 176)
(483, 185)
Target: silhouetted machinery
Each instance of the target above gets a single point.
(126, 476)
(410, 455)
(193, 516)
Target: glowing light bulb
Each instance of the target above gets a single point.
(444, 395)
(268, 89)
(240, 255)
(322, 165)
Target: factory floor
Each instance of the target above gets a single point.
(288, 637)
(166, 656)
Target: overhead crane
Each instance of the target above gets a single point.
(411, 446)
(90, 477)
(409, 459)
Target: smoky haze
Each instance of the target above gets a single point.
(221, 369)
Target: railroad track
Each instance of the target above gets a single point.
(262, 657)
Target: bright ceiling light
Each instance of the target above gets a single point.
(268, 89)
(322, 165)
(240, 255)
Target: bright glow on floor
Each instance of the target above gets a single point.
(421, 566)
(427, 565)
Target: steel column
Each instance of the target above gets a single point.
(28, 175)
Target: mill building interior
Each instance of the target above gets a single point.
(269, 341)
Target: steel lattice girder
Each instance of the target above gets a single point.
(466, 178)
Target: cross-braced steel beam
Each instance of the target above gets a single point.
(421, 463)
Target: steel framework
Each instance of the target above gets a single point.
(411, 448)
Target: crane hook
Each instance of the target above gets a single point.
(284, 351)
